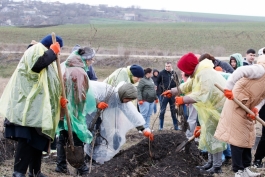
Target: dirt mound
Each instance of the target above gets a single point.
(165, 161)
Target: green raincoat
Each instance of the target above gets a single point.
(32, 99)
(239, 59)
(209, 104)
(81, 100)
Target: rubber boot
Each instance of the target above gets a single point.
(17, 174)
(61, 159)
(216, 170)
(206, 166)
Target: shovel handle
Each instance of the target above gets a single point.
(63, 95)
(242, 106)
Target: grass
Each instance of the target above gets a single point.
(220, 39)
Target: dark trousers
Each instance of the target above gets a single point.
(27, 156)
(260, 152)
(241, 157)
(164, 102)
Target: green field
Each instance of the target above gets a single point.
(220, 39)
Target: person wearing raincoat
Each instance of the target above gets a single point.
(236, 60)
(236, 127)
(208, 100)
(115, 121)
(31, 105)
(81, 101)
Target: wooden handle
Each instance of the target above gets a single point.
(63, 95)
(242, 106)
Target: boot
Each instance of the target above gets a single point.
(248, 172)
(258, 164)
(83, 170)
(206, 166)
(239, 173)
(37, 175)
(17, 174)
(216, 170)
(61, 159)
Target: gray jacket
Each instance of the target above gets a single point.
(146, 90)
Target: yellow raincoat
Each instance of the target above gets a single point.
(119, 75)
(32, 99)
(209, 104)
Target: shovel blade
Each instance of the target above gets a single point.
(182, 145)
(75, 158)
(116, 141)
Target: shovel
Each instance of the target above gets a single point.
(116, 137)
(184, 143)
(74, 154)
(242, 106)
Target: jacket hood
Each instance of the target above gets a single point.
(155, 70)
(239, 59)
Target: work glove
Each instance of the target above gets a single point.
(179, 100)
(102, 105)
(167, 94)
(147, 133)
(228, 94)
(55, 48)
(140, 102)
(63, 102)
(197, 132)
(255, 111)
(156, 101)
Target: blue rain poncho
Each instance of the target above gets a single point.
(80, 98)
(210, 101)
(117, 120)
(32, 99)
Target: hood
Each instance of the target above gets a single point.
(205, 64)
(239, 59)
(155, 70)
(75, 60)
(127, 90)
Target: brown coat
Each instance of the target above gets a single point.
(234, 127)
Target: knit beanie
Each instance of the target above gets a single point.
(47, 41)
(187, 63)
(127, 90)
(137, 71)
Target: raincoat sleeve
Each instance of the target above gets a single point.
(130, 111)
(186, 87)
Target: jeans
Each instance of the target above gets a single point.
(164, 102)
(216, 159)
(146, 110)
(227, 152)
(185, 112)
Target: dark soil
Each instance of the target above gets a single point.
(165, 161)
(7, 149)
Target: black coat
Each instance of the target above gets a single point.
(167, 80)
(159, 88)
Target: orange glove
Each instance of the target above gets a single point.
(179, 100)
(55, 48)
(102, 105)
(156, 101)
(197, 131)
(167, 94)
(63, 102)
(255, 111)
(147, 133)
(141, 102)
(228, 94)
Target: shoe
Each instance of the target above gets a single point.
(60, 169)
(248, 173)
(227, 161)
(216, 170)
(17, 174)
(160, 129)
(206, 166)
(37, 175)
(83, 170)
(61, 166)
(257, 164)
(239, 173)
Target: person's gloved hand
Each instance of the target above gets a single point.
(55, 48)
(141, 102)
(147, 133)
(197, 131)
(179, 100)
(63, 102)
(102, 105)
(228, 94)
(255, 111)
(167, 94)
(156, 101)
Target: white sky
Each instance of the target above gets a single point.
(234, 7)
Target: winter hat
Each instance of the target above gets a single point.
(261, 59)
(127, 90)
(187, 63)
(137, 71)
(47, 41)
(218, 68)
(86, 53)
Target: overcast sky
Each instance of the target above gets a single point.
(235, 7)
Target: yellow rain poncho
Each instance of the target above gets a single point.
(119, 75)
(81, 100)
(32, 99)
(209, 104)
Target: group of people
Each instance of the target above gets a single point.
(103, 112)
